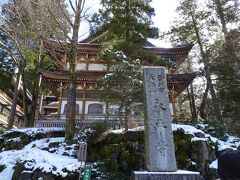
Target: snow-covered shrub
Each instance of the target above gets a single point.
(214, 127)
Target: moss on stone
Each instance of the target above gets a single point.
(12, 134)
(182, 149)
(18, 169)
(2, 167)
(109, 165)
(53, 144)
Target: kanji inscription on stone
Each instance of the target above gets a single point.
(159, 146)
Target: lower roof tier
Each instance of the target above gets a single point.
(87, 80)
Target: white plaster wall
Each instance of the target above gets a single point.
(64, 102)
(94, 102)
(98, 67)
(63, 105)
(81, 66)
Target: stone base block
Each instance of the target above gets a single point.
(178, 175)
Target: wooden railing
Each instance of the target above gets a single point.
(81, 120)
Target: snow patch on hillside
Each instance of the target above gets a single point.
(38, 159)
(33, 131)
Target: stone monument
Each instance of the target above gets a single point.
(159, 146)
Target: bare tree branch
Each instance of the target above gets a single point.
(70, 2)
(64, 14)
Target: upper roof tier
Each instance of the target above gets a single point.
(57, 51)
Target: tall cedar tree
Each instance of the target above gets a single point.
(124, 25)
(226, 53)
(72, 58)
(187, 28)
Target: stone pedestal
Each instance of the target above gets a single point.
(179, 175)
(159, 146)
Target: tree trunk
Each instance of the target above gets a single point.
(35, 90)
(208, 76)
(72, 57)
(25, 104)
(120, 114)
(220, 13)
(127, 118)
(34, 103)
(202, 110)
(14, 102)
(214, 97)
(191, 95)
(192, 104)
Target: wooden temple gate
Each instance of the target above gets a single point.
(89, 69)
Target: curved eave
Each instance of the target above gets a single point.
(179, 82)
(176, 83)
(63, 76)
(175, 54)
(57, 51)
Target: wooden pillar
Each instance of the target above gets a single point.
(83, 104)
(173, 104)
(39, 110)
(60, 99)
(107, 110)
(87, 62)
(40, 105)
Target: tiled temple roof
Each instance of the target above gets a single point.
(57, 51)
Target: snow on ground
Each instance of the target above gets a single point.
(33, 131)
(43, 143)
(117, 131)
(39, 159)
(187, 129)
(198, 139)
(17, 139)
(214, 164)
(56, 163)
